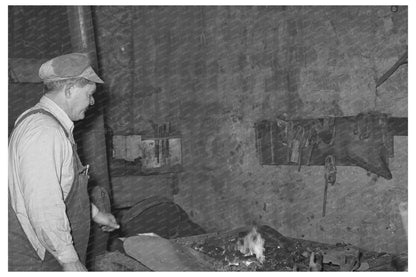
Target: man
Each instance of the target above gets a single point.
(49, 208)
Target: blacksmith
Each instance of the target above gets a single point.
(49, 208)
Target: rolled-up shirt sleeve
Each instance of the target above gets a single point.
(94, 210)
(42, 159)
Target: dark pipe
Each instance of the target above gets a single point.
(90, 132)
(82, 31)
(92, 127)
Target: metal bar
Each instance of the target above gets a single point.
(325, 196)
(402, 60)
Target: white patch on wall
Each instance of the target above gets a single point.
(127, 147)
(153, 153)
(165, 156)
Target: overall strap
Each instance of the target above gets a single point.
(42, 111)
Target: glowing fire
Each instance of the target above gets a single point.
(253, 244)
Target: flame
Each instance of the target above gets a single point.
(253, 244)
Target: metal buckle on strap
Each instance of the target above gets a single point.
(85, 170)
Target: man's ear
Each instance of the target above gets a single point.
(68, 90)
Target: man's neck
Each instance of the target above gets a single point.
(57, 98)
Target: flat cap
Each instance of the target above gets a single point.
(74, 65)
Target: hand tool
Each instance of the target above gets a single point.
(301, 138)
(167, 141)
(325, 194)
(330, 177)
(157, 143)
(296, 144)
(290, 133)
(312, 142)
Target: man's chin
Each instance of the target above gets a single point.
(80, 117)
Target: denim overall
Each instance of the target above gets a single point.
(22, 256)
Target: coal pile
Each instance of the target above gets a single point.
(281, 254)
(288, 254)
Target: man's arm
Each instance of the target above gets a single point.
(106, 220)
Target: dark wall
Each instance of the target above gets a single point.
(214, 71)
(36, 33)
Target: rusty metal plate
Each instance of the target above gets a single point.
(160, 254)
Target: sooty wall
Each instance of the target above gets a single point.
(214, 71)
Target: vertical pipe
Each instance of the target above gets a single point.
(90, 132)
(93, 135)
(82, 31)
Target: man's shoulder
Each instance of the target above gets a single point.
(40, 123)
(38, 116)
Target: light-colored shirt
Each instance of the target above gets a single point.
(41, 174)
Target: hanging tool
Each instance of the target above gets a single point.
(330, 178)
(326, 129)
(311, 142)
(290, 136)
(362, 126)
(297, 144)
(157, 143)
(325, 194)
(282, 134)
(302, 143)
(302, 140)
(167, 141)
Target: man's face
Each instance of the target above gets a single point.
(81, 98)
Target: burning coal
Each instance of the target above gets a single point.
(252, 244)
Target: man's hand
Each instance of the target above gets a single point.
(74, 266)
(107, 221)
